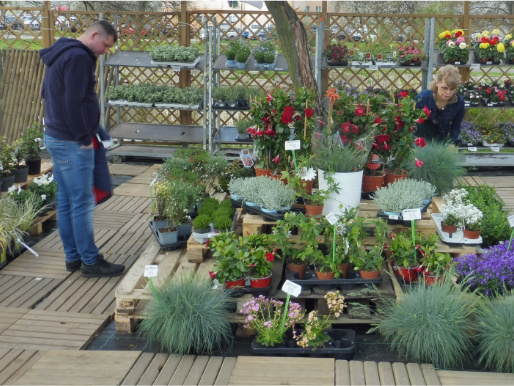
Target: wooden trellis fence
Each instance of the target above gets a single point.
(21, 72)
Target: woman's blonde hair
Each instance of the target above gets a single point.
(451, 75)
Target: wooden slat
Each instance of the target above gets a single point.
(135, 373)
(211, 371)
(127, 169)
(447, 377)
(415, 374)
(357, 373)
(24, 360)
(168, 370)
(153, 369)
(225, 371)
(430, 374)
(371, 373)
(401, 376)
(342, 372)
(96, 368)
(182, 371)
(385, 371)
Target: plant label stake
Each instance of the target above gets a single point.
(332, 219)
(412, 215)
(472, 148)
(289, 288)
(151, 271)
(511, 223)
(293, 145)
(151, 192)
(28, 248)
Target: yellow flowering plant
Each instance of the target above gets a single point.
(488, 46)
(315, 326)
(508, 42)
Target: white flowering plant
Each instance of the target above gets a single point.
(45, 187)
(472, 217)
(457, 210)
(315, 326)
(265, 316)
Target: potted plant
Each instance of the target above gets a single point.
(470, 134)
(272, 195)
(472, 217)
(231, 53)
(403, 194)
(314, 335)
(369, 263)
(7, 164)
(373, 176)
(492, 135)
(337, 55)
(32, 138)
(201, 227)
(242, 56)
(164, 55)
(219, 95)
(488, 47)
(266, 317)
(405, 253)
(222, 222)
(232, 263)
(453, 48)
(434, 264)
(232, 96)
(242, 129)
(261, 264)
(20, 171)
(409, 55)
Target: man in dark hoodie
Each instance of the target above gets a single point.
(72, 119)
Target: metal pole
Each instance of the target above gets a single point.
(209, 31)
(102, 83)
(428, 73)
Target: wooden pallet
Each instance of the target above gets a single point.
(134, 291)
(39, 223)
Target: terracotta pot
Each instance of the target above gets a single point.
(260, 282)
(344, 268)
(325, 275)
(369, 275)
(314, 211)
(429, 280)
(263, 172)
(372, 183)
(307, 186)
(391, 177)
(298, 268)
(450, 229)
(235, 283)
(407, 274)
(471, 234)
(279, 177)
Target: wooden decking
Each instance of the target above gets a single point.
(48, 316)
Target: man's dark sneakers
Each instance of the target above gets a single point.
(102, 269)
(72, 266)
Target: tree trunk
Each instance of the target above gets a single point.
(293, 38)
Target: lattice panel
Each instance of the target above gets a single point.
(479, 24)
(21, 29)
(386, 78)
(450, 23)
(487, 74)
(72, 23)
(490, 115)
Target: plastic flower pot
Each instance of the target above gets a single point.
(260, 282)
(407, 274)
(471, 234)
(239, 283)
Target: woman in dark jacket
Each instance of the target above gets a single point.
(446, 107)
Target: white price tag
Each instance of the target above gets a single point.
(490, 105)
(475, 67)
(209, 235)
(373, 67)
(153, 181)
(511, 220)
(292, 288)
(175, 68)
(331, 218)
(411, 214)
(393, 217)
(467, 104)
(472, 148)
(293, 145)
(496, 149)
(489, 62)
(457, 62)
(151, 270)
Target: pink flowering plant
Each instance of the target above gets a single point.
(315, 335)
(278, 117)
(265, 316)
(409, 53)
(452, 46)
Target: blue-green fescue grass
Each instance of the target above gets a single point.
(189, 318)
(495, 333)
(430, 324)
(440, 166)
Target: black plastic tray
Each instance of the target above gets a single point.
(406, 223)
(170, 247)
(353, 279)
(238, 108)
(342, 346)
(268, 216)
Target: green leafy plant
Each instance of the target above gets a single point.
(243, 54)
(261, 262)
(373, 259)
(165, 53)
(202, 222)
(222, 223)
(242, 126)
(495, 333)
(32, 138)
(440, 166)
(431, 324)
(402, 248)
(7, 157)
(186, 316)
(233, 262)
(403, 194)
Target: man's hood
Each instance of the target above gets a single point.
(49, 55)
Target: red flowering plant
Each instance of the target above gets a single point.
(452, 46)
(278, 117)
(399, 123)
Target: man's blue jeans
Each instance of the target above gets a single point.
(73, 172)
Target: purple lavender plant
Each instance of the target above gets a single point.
(491, 272)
